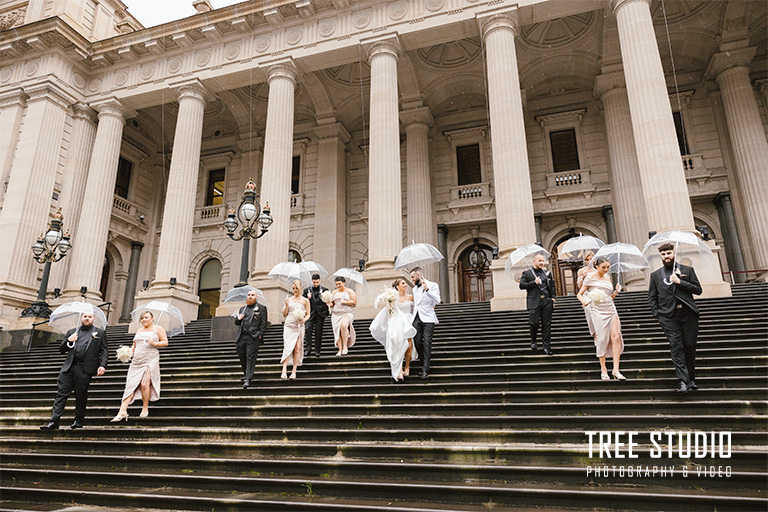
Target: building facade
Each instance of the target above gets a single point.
(474, 125)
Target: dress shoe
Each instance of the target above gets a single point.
(548, 352)
(51, 425)
(242, 379)
(692, 386)
(683, 388)
(76, 425)
(424, 376)
(534, 346)
(246, 384)
(317, 354)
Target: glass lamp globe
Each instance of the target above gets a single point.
(38, 248)
(52, 237)
(248, 211)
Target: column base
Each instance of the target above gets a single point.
(507, 295)
(711, 277)
(14, 298)
(19, 337)
(187, 303)
(377, 280)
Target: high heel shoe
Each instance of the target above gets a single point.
(604, 376)
(119, 418)
(617, 375)
(344, 352)
(144, 414)
(283, 375)
(338, 353)
(292, 377)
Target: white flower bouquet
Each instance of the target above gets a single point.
(597, 296)
(124, 354)
(388, 295)
(325, 296)
(298, 314)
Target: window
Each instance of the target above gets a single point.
(682, 139)
(214, 194)
(468, 164)
(565, 154)
(294, 256)
(295, 174)
(124, 169)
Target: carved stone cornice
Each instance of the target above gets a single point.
(724, 61)
(49, 91)
(576, 115)
(417, 115)
(13, 97)
(505, 18)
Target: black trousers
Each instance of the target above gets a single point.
(73, 379)
(314, 328)
(682, 330)
(247, 350)
(422, 341)
(542, 314)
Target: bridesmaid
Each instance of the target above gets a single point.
(143, 379)
(293, 330)
(580, 275)
(343, 300)
(605, 318)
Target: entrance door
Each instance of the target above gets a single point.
(210, 288)
(475, 285)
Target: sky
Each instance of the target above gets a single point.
(155, 12)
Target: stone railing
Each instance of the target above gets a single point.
(123, 206)
(693, 165)
(473, 193)
(208, 215)
(568, 179)
(297, 202)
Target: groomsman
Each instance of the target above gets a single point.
(318, 314)
(541, 301)
(252, 320)
(87, 354)
(426, 295)
(670, 296)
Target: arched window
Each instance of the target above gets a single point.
(210, 288)
(475, 283)
(294, 256)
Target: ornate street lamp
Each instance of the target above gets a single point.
(477, 258)
(49, 248)
(250, 214)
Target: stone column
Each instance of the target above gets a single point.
(330, 198)
(514, 204)
(90, 241)
(442, 246)
(748, 143)
(27, 203)
(610, 231)
(179, 212)
(665, 191)
(12, 105)
(731, 240)
(130, 283)
(420, 206)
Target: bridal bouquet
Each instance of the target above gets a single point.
(325, 296)
(124, 354)
(298, 314)
(597, 296)
(388, 295)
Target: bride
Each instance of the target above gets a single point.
(392, 328)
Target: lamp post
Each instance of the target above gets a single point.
(250, 215)
(49, 248)
(477, 258)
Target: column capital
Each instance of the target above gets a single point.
(723, 61)
(283, 68)
(609, 82)
(386, 44)
(191, 89)
(83, 111)
(249, 142)
(420, 115)
(606, 211)
(504, 18)
(111, 107)
(443, 228)
(618, 4)
(721, 197)
(49, 91)
(332, 131)
(15, 96)
(137, 246)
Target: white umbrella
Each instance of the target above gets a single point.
(578, 247)
(67, 316)
(417, 255)
(239, 293)
(687, 246)
(314, 268)
(522, 258)
(354, 278)
(287, 272)
(165, 315)
(622, 258)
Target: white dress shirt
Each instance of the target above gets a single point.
(424, 302)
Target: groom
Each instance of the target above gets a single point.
(86, 349)
(426, 295)
(252, 323)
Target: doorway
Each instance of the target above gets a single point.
(209, 289)
(474, 274)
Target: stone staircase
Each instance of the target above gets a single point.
(496, 427)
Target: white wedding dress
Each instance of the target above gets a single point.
(393, 331)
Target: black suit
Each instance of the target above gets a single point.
(83, 360)
(249, 336)
(675, 308)
(539, 303)
(318, 312)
